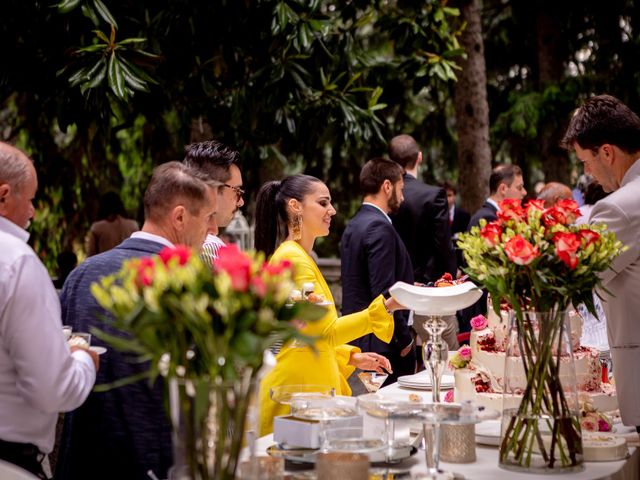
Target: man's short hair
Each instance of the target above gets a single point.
(603, 119)
(375, 172)
(213, 158)
(14, 166)
(503, 174)
(403, 149)
(174, 183)
(449, 186)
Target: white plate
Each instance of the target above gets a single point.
(98, 350)
(488, 433)
(436, 300)
(422, 381)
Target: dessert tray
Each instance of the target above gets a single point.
(436, 300)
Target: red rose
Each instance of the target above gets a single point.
(236, 264)
(145, 269)
(180, 252)
(511, 209)
(491, 233)
(589, 236)
(277, 268)
(567, 244)
(520, 251)
(259, 287)
(534, 205)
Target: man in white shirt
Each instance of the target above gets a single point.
(220, 163)
(124, 432)
(40, 375)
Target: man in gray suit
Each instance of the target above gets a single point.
(605, 134)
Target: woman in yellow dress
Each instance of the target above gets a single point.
(290, 215)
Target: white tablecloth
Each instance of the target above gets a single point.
(486, 465)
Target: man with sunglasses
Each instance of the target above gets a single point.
(220, 163)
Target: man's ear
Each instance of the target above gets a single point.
(502, 189)
(608, 153)
(419, 160)
(5, 192)
(387, 187)
(178, 217)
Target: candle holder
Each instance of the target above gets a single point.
(435, 353)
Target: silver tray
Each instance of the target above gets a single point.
(308, 455)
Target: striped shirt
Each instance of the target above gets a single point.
(210, 248)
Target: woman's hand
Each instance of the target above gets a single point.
(391, 304)
(370, 361)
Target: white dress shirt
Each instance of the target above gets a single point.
(39, 377)
(210, 248)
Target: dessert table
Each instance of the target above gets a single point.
(486, 466)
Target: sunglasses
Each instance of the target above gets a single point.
(238, 190)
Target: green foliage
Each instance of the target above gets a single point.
(292, 84)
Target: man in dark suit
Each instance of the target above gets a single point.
(423, 225)
(505, 182)
(458, 219)
(124, 432)
(373, 258)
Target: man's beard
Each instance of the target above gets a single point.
(393, 204)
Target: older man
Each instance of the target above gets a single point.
(605, 135)
(39, 374)
(124, 432)
(220, 163)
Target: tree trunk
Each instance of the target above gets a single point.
(555, 164)
(472, 112)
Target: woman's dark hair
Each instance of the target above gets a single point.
(271, 209)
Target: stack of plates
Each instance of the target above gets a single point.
(422, 381)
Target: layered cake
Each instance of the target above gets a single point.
(479, 368)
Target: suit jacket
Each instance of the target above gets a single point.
(124, 432)
(423, 225)
(461, 220)
(620, 211)
(373, 258)
(488, 211)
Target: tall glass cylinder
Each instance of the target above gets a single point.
(208, 420)
(540, 421)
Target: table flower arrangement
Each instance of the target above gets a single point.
(539, 262)
(205, 330)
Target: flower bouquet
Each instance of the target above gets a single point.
(539, 262)
(205, 331)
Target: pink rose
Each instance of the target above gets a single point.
(520, 251)
(491, 233)
(479, 322)
(277, 268)
(179, 252)
(603, 425)
(456, 361)
(465, 352)
(570, 208)
(448, 397)
(236, 264)
(567, 245)
(511, 209)
(589, 424)
(259, 287)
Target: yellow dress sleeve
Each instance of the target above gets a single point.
(374, 319)
(343, 355)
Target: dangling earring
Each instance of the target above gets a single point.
(296, 228)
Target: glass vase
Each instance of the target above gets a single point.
(208, 420)
(540, 420)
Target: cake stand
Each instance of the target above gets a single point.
(435, 303)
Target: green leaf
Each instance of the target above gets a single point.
(131, 40)
(102, 36)
(104, 12)
(68, 5)
(116, 78)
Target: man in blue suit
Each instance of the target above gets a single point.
(124, 432)
(373, 258)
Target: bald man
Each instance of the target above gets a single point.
(40, 375)
(554, 191)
